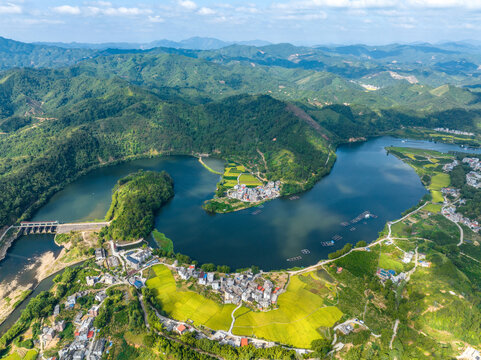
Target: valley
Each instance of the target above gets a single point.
(270, 201)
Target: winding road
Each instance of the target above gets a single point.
(233, 318)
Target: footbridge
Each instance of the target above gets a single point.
(54, 227)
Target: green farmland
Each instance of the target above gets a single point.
(302, 309)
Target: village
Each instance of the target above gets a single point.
(259, 193)
(124, 267)
(236, 288)
(455, 132)
(473, 179)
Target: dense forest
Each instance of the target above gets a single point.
(135, 200)
(280, 121)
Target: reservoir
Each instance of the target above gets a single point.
(364, 178)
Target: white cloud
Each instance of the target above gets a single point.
(155, 19)
(206, 11)
(247, 9)
(37, 21)
(125, 11)
(445, 3)
(306, 16)
(354, 4)
(10, 8)
(379, 4)
(67, 9)
(188, 4)
(104, 8)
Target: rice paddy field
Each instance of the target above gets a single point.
(188, 305)
(303, 309)
(438, 181)
(29, 355)
(249, 180)
(301, 313)
(232, 172)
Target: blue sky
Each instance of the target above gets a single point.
(295, 21)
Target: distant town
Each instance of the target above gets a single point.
(455, 132)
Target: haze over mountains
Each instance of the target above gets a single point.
(195, 43)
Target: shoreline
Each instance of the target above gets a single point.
(45, 267)
(4, 246)
(208, 167)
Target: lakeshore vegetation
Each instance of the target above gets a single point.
(135, 200)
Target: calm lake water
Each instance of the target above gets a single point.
(363, 178)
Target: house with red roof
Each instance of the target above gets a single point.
(181, 329)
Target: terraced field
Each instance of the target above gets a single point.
(302, 309)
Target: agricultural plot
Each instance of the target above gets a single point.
(434, 208)
(29, 355)
(188, 305)
(302, 309)
(249, 180)
(234, 174)
(301, 313)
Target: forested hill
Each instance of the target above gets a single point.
(58, 123)
(135, 200)
(81, 123)
(19, 54)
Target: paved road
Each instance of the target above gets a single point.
(396, 324)
(233, 318)
(461, 235)
(66, 228)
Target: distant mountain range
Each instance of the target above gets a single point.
(194, 43)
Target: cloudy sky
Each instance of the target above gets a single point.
(296, 21)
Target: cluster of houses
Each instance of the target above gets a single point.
(384, 275)
(455, 193)
(473, 178)
(470, 354)
(259, 193)
(473, 163)
(85, 345)
(422, 261)
(251, 289)
(136, 258)
(408, 257)
(450, 166)
(450, 213)
(456, 132)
